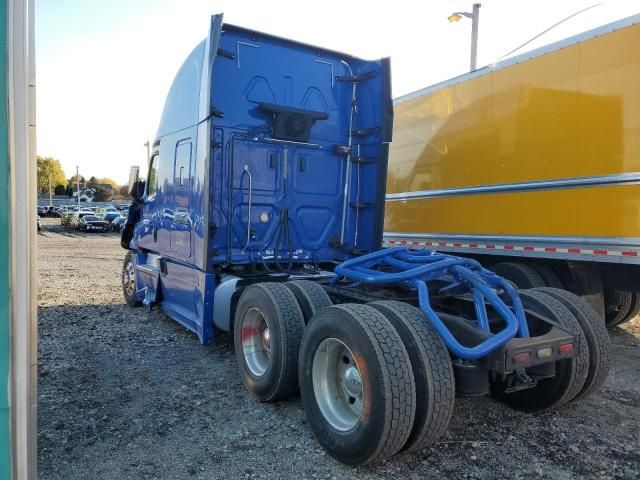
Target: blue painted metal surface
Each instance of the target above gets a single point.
(226, 191)
(307, 180)
(416, 268)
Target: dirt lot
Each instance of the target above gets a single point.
(124, 394)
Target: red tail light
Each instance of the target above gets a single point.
(521, 357)
(566, 348)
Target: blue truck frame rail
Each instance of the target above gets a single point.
(402, 266)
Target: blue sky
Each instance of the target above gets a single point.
(103, 67)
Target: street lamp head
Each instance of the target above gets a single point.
(457, 16)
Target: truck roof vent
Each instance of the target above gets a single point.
(292, 124)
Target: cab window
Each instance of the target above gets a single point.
(152, 179)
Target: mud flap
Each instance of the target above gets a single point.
(187, 296)
(148, 281)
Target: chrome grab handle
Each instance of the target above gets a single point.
(246, 170)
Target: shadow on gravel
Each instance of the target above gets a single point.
(620, 333)
(128, 394)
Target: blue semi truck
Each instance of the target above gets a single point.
(262, 215)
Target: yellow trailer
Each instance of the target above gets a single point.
(535, 157)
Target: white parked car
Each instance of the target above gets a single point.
(78, 215)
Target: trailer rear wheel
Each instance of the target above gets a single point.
(570, 374)
(268, 329)
(432, 370)
(551, 278)
(598, 341)
(310, 296)
(618, 305)
(523, 276)
(634, 311)
(356, 384)
(129, 281)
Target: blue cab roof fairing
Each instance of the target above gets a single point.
(182, 102)
(181, 106)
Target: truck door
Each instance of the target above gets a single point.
(182, 223)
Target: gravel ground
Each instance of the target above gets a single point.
(124, 394)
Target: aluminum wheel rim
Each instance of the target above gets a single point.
(337, 384)
(128, 279)
(256, 341)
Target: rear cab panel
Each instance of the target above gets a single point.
(300, 178)
(269, 154)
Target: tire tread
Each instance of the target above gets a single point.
(310, 296)
(624, 300)
(438, 374)
(634, 311)
(522, 275)
(537, 399)
(398, 376)
(289, 316)
(597, 338)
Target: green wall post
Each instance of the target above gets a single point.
(5, 341)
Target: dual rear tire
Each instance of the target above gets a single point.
(356, 384)
(405, 375)
(269, 322)
(267, 333)
(620, 307)
(375, 379)
(574, 378)
(524, 275)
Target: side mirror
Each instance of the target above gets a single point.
(136, 186)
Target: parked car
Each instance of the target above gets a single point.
(93, 223)
(110, 208)
(77, 216)
(110, 216)
(57, 211)
(117, 223)
(47, 211)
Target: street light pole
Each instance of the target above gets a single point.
(78, 182)
(50, 199)
(475, 20)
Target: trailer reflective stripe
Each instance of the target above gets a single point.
(525, 248)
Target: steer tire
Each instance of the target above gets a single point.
(634, 311)
(551, 278)
(432, 370)
(618, 306)
(273, 376)
(128, 284)
(386, 381)
(521, 275)
(598, 341)
(310, 296)
(570, 373)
